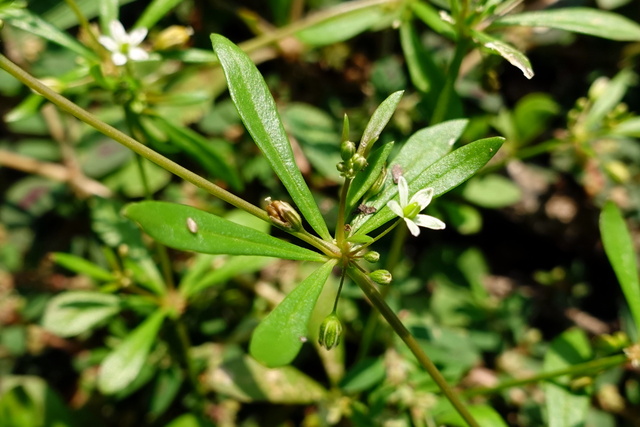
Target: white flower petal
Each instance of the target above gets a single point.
(423, 197)
(413, 228)
(118, 33)
(119, 58)
(138, 54)
(109, 43)
(395, 208)
(403, 190)
(136, 36)
(428, 221)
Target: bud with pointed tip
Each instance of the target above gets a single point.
(283, 214)
(381, 277)
(330, 332)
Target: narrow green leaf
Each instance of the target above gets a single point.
(341, 27)
(442, 176)
(508, 52)
(618, 246)
(566, 407)
(424, 72)
(485, 416)
(278, 338)
(201, 150)
(81, 266)
(365, 179)
(190, 229)
(31, 23)
(72, 313)
(154, 12)
(378, 121)
(124, 363)
(629, 127)
(259, 114)
(583, 20)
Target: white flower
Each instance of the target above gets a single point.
(409, 210)
(124, 46)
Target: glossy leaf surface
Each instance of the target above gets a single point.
(508, 52)
(583, 20)
(71, 313)
(279, 337)
(124, 363)
(190, 229)
(618, 246)
(259, 114)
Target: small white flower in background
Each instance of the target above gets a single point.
(409, 210)
(124, 46)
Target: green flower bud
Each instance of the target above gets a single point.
(381, 277)
(340, 166)
(282, 214)
(330, 332)
(372, 256)
(175, 36)
(359, 162)
(347, 150)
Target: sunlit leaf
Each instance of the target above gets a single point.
(72, 313)
(260, 116)
(190, 229)
(619, 248)
(279, 337)
(341, 27)
(508, 52)
(124, 363)
(583, 20)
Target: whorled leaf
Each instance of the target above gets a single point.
(278, 338)
(259, 114)
(190, 229)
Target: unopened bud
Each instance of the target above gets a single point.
(282, 214)
(347, 150)
(330, 332)
(381, 277)
(340, 166)
(372, 256)
(359, 162)
(175, 36)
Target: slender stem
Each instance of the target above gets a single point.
(335, 303)
(378, 302)
(192, 375)
(583, 368)
(84, 23)
(341, 213)
(153, 156)
(379, 236)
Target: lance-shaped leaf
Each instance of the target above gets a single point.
(508, 52)
(154, 12)
(279, 337)
(424, 72)
(259, 114)
(82, 266)
(583, 20)
(444, 175)
(378, 121)
(31, 23)
(618, 246)
(341, 27)
(190, 229)
(72, 313)
(124, 363)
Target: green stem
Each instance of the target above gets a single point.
(583, 368)
(84, 23)
(369, 288)
(379, 236)
(153, 156)
(192, 375)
